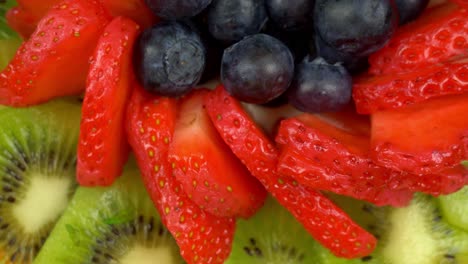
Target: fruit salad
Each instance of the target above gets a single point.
(233, 131)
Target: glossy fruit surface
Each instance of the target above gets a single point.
(355, 27)
(423, 138)
(170, 58)
(150, 126)
(374, 93)
(320, 216)
(439, 34)
(45, 66)
(331, 153)
(257, 69)
(103, 147)
(208, 171)
(232, 20)
(320, 87)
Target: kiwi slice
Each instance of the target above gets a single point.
(117, 224)
(421, 234)
(454, 208)
(37, 174)
(272, 236)
(417, 234)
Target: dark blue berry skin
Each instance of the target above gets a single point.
(320, 87)
(354, 64)
(177, 9)
(300, 43)
(232, 20)
(257, 69)
(169, 58)
(291, 15)
(410, 9)
(355, 27)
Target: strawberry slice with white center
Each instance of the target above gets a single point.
(209, 172)
(203, 238)
(320, 216)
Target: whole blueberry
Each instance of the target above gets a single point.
(355, 27)
(320, 87)
(410, 9)
(291, 15)
(257, 69)
(176, 9)
(169, 58)
(354, 64)
(231, 20)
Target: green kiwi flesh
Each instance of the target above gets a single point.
(117, 224)
(454, 207)
(421, 234)
(272, 236)
(37, 174)
(417, 234)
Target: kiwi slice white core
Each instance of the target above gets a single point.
(144, 255)
(410, 241)
(40, 206)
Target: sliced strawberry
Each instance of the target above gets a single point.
(423, 138)
(55, 60)
(202, 237)
(461, 3)
(207, 169)
(319, 154)
(381, 92)
(444, 182)
(22, 21)
(102, 146)
(38, 8)
(27, 15)
(134, 9)
(322, 218)
(440, 33)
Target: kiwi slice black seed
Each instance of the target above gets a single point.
(272, 236)
(117, 224)
(37, 174)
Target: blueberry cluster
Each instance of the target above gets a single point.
(303, 50)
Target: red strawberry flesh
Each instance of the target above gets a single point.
(55, 60)
(134, 9)
(202, 237)
(440, 33)
(102, 146)
(207, 169)
(422, 139)
(322, 219)
(392, 91)
(22, 21)
(325, 157)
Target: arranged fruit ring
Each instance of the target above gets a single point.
(112, 152)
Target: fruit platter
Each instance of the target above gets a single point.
(233, 131)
